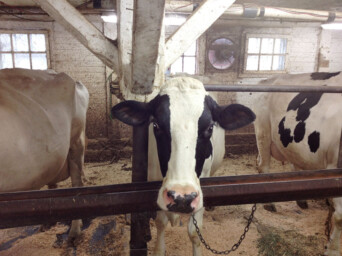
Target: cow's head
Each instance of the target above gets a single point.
(183, 117)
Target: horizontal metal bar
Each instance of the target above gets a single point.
(152, 185)
(272, 88)
(78, 203)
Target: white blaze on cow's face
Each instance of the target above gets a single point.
(186, 99)
(183, 117)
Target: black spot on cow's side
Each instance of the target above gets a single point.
(161, 114)
(299, 132)
(323, 75)
(303, 102)
(313, 141)
(285, 134)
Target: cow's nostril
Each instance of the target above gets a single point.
(171, 194)
(194, 194)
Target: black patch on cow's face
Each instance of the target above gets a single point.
(204, 148)
(302, 103)
(313, 141)
(161, 128)
(285, 134)
(323, 75)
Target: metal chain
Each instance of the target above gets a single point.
(235, 246)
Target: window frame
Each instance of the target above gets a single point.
(183, 56)
(264, 72)
(28, 32)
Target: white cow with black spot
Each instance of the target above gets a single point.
(302, 128)
(186, 142)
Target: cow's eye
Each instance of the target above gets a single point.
(155, 126)
(211, 128)
(208, 132)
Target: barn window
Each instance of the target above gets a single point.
(23, 50)
(265, 54)
(187, 62)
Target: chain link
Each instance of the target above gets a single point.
(235, 246)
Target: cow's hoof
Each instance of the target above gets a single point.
(270, 207)
(302, 204)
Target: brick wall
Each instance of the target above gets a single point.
(310, 49)
(71, 57)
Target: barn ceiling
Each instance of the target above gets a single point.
(326, 5)
(31, 3)
(335, 5)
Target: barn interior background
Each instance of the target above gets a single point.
(247, 43)
(238, 48)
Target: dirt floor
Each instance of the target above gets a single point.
(289, 231)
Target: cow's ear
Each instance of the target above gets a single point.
(234, 116)
(132, 112)
(230, 117)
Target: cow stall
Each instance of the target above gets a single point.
(41, 207)
(139, 76)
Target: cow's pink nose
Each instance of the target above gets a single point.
(178, 201)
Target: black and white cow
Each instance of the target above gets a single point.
(302, 128)
(186, 142)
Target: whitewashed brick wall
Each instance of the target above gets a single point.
(335, 63)
(310, 49)
(71, 57)
(303, 49)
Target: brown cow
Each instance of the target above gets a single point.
(42, 131)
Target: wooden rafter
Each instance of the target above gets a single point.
(85, 32)
(147, 44)
(201, 19)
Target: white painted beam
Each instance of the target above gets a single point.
(125, 35)
(260, 11)
(85, 32)
(201, 19)
(147, 44)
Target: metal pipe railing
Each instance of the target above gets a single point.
(38, 207)
(272, 88)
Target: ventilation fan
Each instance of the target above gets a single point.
(221, 53)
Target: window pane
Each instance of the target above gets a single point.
(267, 45)
(6, 60)
(265, 62)
(22, 60)
(280, 45)
(253, 45)
(37, 42)
(20, 42)
(5, 42)
(189, 65)
(191, 51)
(278, 62)
(252, 62)
(39, 61)
(177, 66)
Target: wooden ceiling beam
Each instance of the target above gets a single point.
(85, 32)
(200, 20)
(125, 34)
(148, 43)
